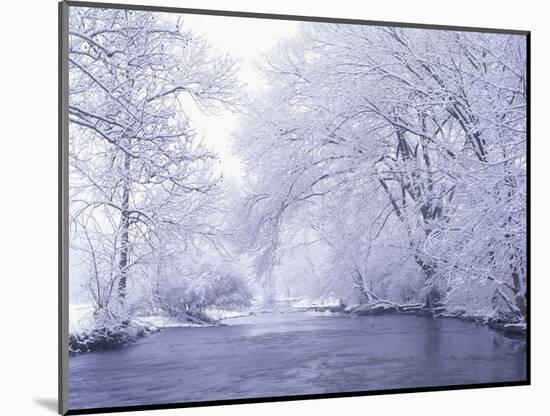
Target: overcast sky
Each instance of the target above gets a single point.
(246, 40)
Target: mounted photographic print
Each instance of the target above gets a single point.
(263, 207)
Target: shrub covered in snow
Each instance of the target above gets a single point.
(209, 287)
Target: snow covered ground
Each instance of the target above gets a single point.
(159, 321)
(81, 318)
(221, 314)
(316, 303)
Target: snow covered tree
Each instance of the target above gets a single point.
(428, 126)
(141, 180)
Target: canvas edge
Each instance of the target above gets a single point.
(528, 202)
(63, 205)
(280, 399)
(256, 15)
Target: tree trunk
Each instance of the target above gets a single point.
(124, 237)
(359, 284)
(268, 289)
(433, 297)
(519, 298)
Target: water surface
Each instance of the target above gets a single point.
(290, 353)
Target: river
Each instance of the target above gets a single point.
(288, 352)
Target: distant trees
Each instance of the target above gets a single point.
(190, 289)
(142, 187)
(411, 139)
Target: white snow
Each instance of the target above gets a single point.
(312, 303)
(159, 321)
(81, 317)
(221, 314)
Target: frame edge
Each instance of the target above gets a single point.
(300, 18)
(63, 182)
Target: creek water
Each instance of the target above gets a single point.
(288, 352)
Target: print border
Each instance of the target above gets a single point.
(63, 204)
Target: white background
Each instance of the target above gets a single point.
(28, 205)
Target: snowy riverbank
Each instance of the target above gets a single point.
(486, 316)
(85, 336)
(504, 323)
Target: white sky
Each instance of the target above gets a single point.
(246, 40)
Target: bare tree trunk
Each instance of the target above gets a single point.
(515, 257)
(269, 292)
(359, 284)
(124, 238)
(519, 297)
(433, 297)
(268, 288)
